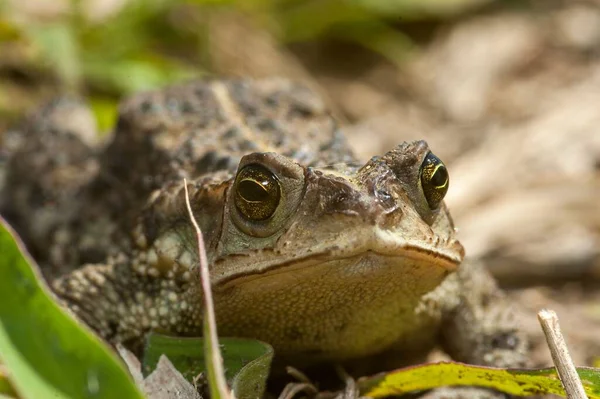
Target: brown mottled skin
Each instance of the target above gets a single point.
(353, 261)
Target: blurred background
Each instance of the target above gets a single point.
(507, 93)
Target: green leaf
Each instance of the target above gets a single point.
(247, 362)
(48, 354)
(518, 382)
(135, 75)
(420, 8)
(60, 48)
(379, 37)
(105, 111)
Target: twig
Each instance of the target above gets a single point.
(560, 355)
(294, 388)
(297, 374)
(351, 390)
(216, 374)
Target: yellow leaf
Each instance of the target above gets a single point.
(520, 382)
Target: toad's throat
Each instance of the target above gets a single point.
(364, 261)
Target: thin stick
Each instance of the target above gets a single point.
(216, 374)
(560, 355)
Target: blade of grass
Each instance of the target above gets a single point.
(216, 374)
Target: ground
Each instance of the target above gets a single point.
(505, 93)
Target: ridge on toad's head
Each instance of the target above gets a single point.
(282, 213)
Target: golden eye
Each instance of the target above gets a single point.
(257, 192)
(434, 180)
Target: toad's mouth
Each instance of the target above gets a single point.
(367, 260)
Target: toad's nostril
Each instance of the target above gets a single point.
(383, 194)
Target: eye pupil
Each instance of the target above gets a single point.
(440, 176)
(253, 191)
(257, 193)
(434, 180)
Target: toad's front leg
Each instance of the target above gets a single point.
(122, 302)
(481, 327)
